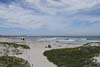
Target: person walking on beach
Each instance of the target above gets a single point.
(23, 40)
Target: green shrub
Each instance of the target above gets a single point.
(73, 57)
(11, 61)
(12, 47)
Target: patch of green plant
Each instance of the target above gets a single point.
(15, 45)
(12, 48)
(11, 61)
(74, 57)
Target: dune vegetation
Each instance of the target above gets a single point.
(8, 52)
(12, 48)
(14, 45)
(11, 61)
(82, 56)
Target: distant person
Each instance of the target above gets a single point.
(49, 46)
(23, 38)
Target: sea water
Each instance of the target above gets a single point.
(61, 39)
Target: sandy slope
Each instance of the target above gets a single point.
(35, 55)
(36, 58)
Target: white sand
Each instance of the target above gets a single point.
(36, 58)
(35, 54)
(97, 59)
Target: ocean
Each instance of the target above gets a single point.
(61, 39)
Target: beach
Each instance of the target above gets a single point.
(35, 54)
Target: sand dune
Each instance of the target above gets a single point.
(35, 54)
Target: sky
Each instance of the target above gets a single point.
(50, 17)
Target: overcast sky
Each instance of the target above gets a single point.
(50, 17)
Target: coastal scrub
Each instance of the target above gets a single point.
(82, 56)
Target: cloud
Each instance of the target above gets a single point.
(53, 6)
(7, 1)
(50, 17)
(20, 17)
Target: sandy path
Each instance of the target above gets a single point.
(36, 58)
(35, 55)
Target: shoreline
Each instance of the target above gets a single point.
(35, 54)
